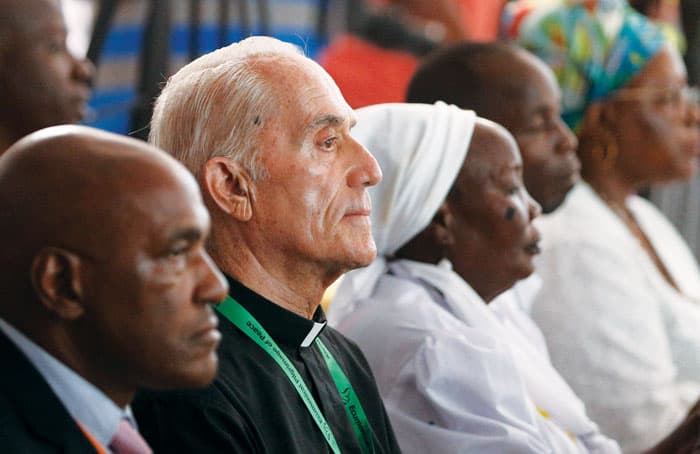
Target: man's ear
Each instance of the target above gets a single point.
(229, 185)
(55, 275)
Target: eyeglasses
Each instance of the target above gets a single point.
(674, 96)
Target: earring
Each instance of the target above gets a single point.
(606, 150)
(611, 153)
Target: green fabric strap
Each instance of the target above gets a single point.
(352, 404)
(243, 320)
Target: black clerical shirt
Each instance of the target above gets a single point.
(252, 407)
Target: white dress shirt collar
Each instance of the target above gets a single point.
(96, 412)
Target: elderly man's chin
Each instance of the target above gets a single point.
(370, 254)
(359, 254)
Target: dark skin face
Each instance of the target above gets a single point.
(547, 145)
(121, 291)
(656, 129)
(484, 227)
(491, 216)
(515, 89)
(41, 83)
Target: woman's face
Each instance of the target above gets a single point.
(656, 123)
(491, 216)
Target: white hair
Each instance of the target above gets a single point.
(218, 104)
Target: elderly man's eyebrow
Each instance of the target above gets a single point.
(324, 121)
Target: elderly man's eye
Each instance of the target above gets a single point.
(329, 143)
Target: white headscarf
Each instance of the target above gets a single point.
(420, 149)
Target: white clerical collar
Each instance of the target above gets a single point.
(96, 412)
(313, 333)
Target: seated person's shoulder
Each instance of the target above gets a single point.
(201, 420)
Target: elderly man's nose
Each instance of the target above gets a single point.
(366, 171)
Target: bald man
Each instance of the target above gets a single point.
(106, 288)
(41, 83)
(515, 89)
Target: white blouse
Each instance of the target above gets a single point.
(447, 375)
(625, 340)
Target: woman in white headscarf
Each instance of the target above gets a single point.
(453, 230)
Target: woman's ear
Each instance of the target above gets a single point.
(601, 115)
(434, 242)
(229, 185)
(56, 278)
(441, 226)
(593, 117)
(600, 123)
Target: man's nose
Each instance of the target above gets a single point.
(366, 171)
(83, 70)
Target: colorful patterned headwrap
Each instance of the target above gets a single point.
(593, 46)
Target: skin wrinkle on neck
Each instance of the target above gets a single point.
(270, 280)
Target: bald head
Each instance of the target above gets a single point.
(76, 188)
(515, 89)
(485, 77)
(105, 266)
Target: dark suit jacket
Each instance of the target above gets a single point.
(32, 418)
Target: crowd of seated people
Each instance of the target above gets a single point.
(502, 286)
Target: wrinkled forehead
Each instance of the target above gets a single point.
(305, 78)
(309, 97)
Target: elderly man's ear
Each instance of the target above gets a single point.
(55, 278)
(229, 185)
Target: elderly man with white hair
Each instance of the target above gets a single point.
(267, 133)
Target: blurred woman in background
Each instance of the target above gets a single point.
(619, 304)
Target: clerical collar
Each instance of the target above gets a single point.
(285, 327)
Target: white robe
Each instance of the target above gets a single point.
(447, 375)
(513, 307)
(625, 340)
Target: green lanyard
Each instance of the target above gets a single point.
(244, 321)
